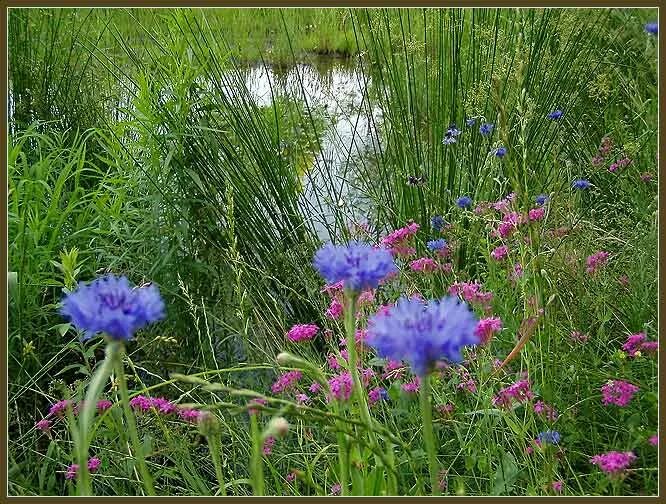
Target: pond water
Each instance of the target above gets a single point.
(339, 88)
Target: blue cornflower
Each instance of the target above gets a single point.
(423, 333)
(549, 437)
(448, 140)
(437, 244)
(500, 152)
(486, 128)
(358, 265)
(581, 184)
(464, 202)
(111, 305)
(437, 222)
(652, 28)
(555, 115)
(385, 395)
(541, 199)
(451, 135)
(470, 122)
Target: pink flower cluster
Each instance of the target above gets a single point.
(545, 410)
(302, 332)
(504, 205)
(374, 395)
(445, 410)
(578, 337)
(613, 462)
(636, 343)
(397, 241)
(466, 382)
(424, 264)
(412, 387)
(393, 369)
(500, 253)
(487, 327)
(144, 403)
(536, 214)
(620, 163)
(472, 293)
(519, 391)
(509, 225)
(93, 466)
(618, 392)
(267, 448)
(341, 386)
(286, 381)
(603, 151)
(596, 261)
(256, 401)
(335, 310)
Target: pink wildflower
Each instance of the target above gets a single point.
(71, 471)
(519, 391)
(596, 261)
(60, 407)
(613, 462)
(267, 449)
(413, 386)
(336, 488)
(578, 337)
(189, 414)
(94, 464)
(140, 402)
(397, 240)
(650, 347)
(545, 410)
(341, 386)
(445, 410)
(654, 440)
(618, 392)
(103, 405)
(367, 375)
(302, 398)
(500, 253)
(466, 382)
(302, 332)
(536, 214)
(291, 476)
(366, 298)
(335, 310)
(163, 405)
(255, 401)
(375, 395)
(43, 425)
(424, 264)
(633, 344)
(557, 486)
(393, 369)
(646, 176)
(315, 387)
(486, 327)
(286, 381)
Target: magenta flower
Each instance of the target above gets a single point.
(43, 425)
(366, 298)
(94, 464)
(302, 398)
(424, 264)
(315, 387)
(654, 440)
(335, 310)
(500, 253)
(336, 488)
(72, 470)
(519, 391)
(445, 410)
(267, 448)
(545, 410)
(596, 261)
(397, 241)
(536, 214)
(466, 383)
(341, 386)
(618, 392)
(141, 403)
(189, 414)
(413, 386)
(613, 462)
(557, 486)
(286, 381)
(255, 401)
(578, 337)
(103, 405)
(487, 327)
(302, 332)
(60, 407)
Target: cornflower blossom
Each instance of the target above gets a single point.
(286, 381)
(545, 410)
(423, 333)
(424, 265)
(437, 223)
(111, 305)
(43, 425)
(541, 199)
(397, 241)
(335, 310)
(578, 337)
(486, 328)
(596, 261)
(437, 245)
(359, 265)
(302, 332)
(257, 401)
(464, 202)
(470, 122)
(267, 448)
(548, 437)
(536, 214)
(486, 129)
(652, 28)
(555, 115)
(451, 135)
(618, 392)
(500, 152)
(60, 407)
(581, 184)
(341, 386)
(412, 387)
(500, 253)
(103, 405)
(614, 462)
(519, 391)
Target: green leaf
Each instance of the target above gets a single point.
(505, 475)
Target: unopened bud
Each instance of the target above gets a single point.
(283, 358)
(208, 423)
(278, 426)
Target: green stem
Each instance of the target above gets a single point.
(146, 478)
(428, 435)
(256, 466)
(214, 447)
(87, 413)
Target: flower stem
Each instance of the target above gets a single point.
(428, 435)
(146, 478)
(256, 467)
(87, 413)
(214, 447)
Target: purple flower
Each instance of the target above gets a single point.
(110, 304)
(652, 28)
(581, 184)
(43, 425)
(549, 437)
(555, 115)
(464, 202)
(437, 222)
(470, 122)
(286, 381)
(422, 334)
(358, 264)
(341, 386)
(500, 152)
(618, 392)
(436, 244)
(486, 128)
(302, 332)
(613, 462)
(541, 199)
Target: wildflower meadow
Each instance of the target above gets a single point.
(333, 252)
